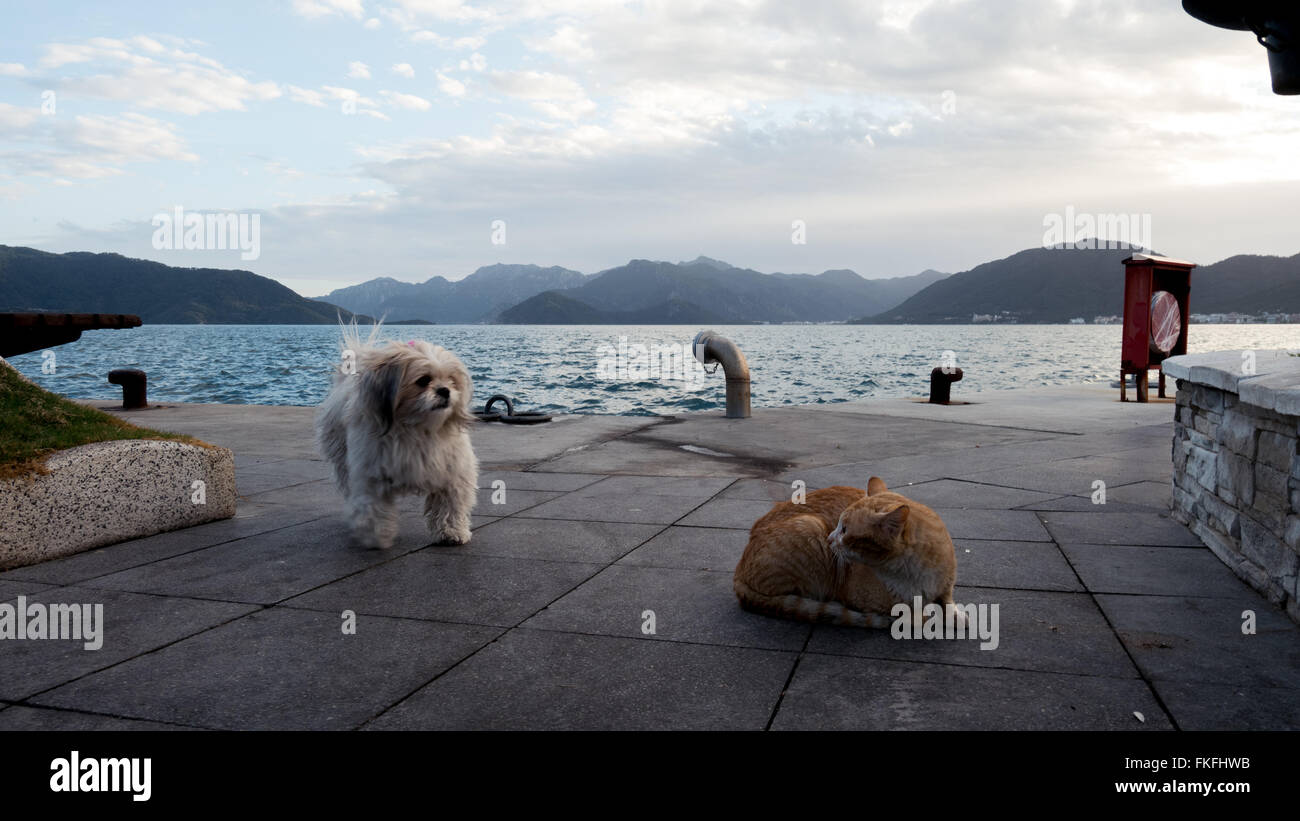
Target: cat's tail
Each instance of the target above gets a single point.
(803, 608)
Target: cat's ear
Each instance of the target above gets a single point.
(891, 524)
(875, 485)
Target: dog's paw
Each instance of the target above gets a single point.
(452, 537)
(370, 541)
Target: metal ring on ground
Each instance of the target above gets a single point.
(499, 397)
(526, 418)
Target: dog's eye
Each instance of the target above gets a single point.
(424, 381)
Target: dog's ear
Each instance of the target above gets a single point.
(460, 412)
(381, 386)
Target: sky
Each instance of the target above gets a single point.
(414, 138)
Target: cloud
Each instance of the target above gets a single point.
(326, 8)
(410, 102)
(86, 146)
(554, 95)
(465, 43)
(306, 95)
(358, 70)
(450, 86)
(352, 102)
(372, 23)
(144, 73)
(12, 70)
(476, 62)
(404, 70)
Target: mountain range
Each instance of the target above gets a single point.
(1033, 286)
(479, 297)
(1047, 285)
(82, 282)
(707, 290)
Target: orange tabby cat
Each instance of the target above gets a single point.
(846, 556)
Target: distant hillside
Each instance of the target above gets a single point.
(1054, 285)
(81, 282)
(478, 297)
(1247, 284)
(706, 290)
(555, 308)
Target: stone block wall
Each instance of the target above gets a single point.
(1237, 486)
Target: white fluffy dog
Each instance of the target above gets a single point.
(397, 422)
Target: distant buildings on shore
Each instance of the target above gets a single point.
(1242, 319)
(1197, 319)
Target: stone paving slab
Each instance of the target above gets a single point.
(35, 719)
(11, 590)
(1058, 478)
(950, 493)
(513, 501)
(537, 622)
(321, 495)
(1106, 527)
(456, 588)
(132, 624)
(1009, 525)
(1014, 565)
(695, 606)
(277, 669)
(1202, 706)
(524, 480)
(1048, 632)
(284, 473)
(266, 569)
(555, 540)
(732, 513)
(692, 548)
(1150, 494)
(543, 680)
(1153, 571)
(843, 693)
(1084, 504)
(640, 508)
(761, 490)
(1191, 639)
(125, 555)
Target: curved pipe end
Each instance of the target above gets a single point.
(710, 347)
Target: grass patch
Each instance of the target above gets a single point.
(35, 423)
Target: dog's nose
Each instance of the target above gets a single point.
(445, 393)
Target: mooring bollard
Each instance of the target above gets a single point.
(941, 384)
(133, 382)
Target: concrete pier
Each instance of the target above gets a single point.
(1112, 616)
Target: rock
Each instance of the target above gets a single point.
(1276, 450)
(1237, 433)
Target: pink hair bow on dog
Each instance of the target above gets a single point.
(411, 342)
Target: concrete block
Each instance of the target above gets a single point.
(109, 492)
